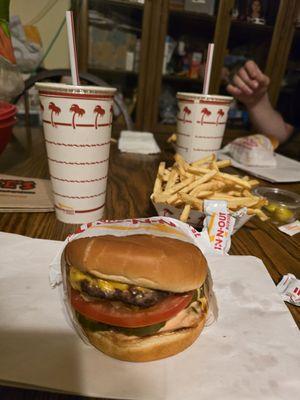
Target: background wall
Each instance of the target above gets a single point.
(48, 25)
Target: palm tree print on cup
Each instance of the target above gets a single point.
(76, 110)
(220, 115)
(54, 110)
(99, 111)
(204, 112)
(186, 111)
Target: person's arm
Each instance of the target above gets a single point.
(250, 85)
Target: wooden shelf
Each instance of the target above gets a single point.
(248, 27)
(126, 3)
(113, 73)
(122, 3)
(176, 78)
(193, 15)
(157, 19)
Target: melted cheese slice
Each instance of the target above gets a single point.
(76, 277)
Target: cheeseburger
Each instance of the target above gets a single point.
(139, 297)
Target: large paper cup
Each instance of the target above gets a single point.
(77, 124)
(201, 122)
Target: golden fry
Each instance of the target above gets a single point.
(172, 138)
(178, 186)
(223, 163)
(235, 179)
(160, 197)
(200, 180)
(242, 202)
(187, 185)
(172, 199)
(253, 182)
(193, 201)
(181, 170)
(180, 160)
(204, 160)
(165, 175)
(157, 185)
(161, 168)
(247, 193)
(221, 196)
(209, 186)
(197, 171)
(203, 194)
(262, 216)
(235, 193)
(215, 165)
(185, 213)
(171, 179)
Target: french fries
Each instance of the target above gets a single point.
(186, 185)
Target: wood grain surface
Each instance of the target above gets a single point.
(130, 183)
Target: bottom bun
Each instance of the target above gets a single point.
(149, 348)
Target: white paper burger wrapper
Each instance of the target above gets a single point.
(158, 226)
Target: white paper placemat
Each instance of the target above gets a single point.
(251, 352)
(286, 170)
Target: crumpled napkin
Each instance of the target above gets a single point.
(138, 142)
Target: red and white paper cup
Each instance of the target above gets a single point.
(77, 124)
(201, 122)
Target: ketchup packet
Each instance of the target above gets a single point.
(291, 229)
(289, 288)
(218, 224)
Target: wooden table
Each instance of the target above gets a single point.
(130, 183)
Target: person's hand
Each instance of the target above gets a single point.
(249, 85)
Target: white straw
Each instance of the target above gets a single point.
(72, 48)
(210, 54)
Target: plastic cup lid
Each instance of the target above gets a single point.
(280, 196)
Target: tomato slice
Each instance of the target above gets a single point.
(114, 313)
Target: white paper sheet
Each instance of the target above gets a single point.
(138, 142)
(251, 352)
(286, 170)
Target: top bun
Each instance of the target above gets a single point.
(143, 260)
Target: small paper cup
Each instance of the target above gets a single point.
(77, 124)
(201, 122)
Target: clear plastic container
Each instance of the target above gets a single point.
(283, 207)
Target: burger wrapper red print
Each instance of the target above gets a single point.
(158, 226)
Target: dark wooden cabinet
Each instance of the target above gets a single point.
(156, 20)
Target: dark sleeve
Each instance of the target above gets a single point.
(291, 148)
(288, 105)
